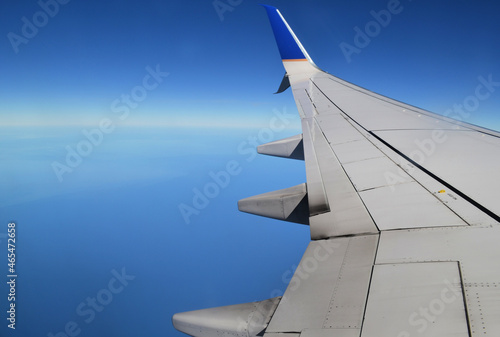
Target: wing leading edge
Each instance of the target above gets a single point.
(403, 211)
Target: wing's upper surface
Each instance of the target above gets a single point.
(403, 207)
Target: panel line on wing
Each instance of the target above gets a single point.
(420, 129)
(464, 294)
(316, 193)
(370, 284)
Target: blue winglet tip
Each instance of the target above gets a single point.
(269, 7)
(287, 45)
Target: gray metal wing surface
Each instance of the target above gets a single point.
(403, 208)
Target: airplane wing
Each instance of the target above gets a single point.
(403, 208)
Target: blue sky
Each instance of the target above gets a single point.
(160, 97)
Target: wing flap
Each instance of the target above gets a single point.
(335, 206)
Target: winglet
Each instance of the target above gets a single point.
(290, 48)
